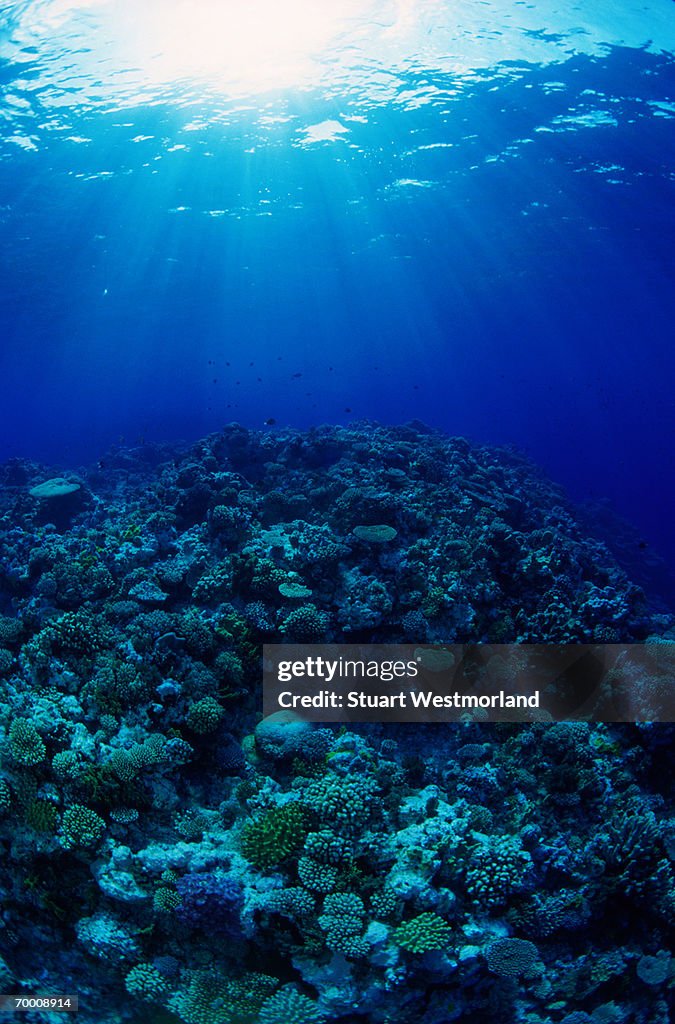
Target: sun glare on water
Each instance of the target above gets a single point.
(256, 38)
(246, 45)
(131, 51)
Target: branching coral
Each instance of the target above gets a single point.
(270, 838)
(423, 933)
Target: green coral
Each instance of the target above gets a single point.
(326, 847)
(116, 685)
(26, 742)
(145, 982)
(214, 585)
(266, 577)
(342, 920)
(78, 633)
(290, 1007)
(270, 838)
(423, 933)
(5, 797)
(384, 903)
(499, 866)
(212, 999)
(229, 669)
(67, 766)
(81, 826)
(305, 625)
(127, 763)
(316, 876)
(124, 815)
(204, 716)
(41, 816)
(165, 900)
(198, 635)
(344, 804)
(190, 825)
(293, 902)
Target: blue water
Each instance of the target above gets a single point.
(459, 213)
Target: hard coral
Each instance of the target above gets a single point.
(81, 827)
(290, 1007)
(146, 982)
(511, 957)
(423, 933)
(210, 902)
(269, 839)
(305, 625)
(26, 743)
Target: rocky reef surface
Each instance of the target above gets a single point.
(169, 857)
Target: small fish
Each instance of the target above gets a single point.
(296, 375)
(270, 421)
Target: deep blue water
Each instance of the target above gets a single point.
(478, 234)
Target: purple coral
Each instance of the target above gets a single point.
(210, 902)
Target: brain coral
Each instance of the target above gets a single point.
(511, 957)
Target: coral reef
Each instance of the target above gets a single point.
(170, 856)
